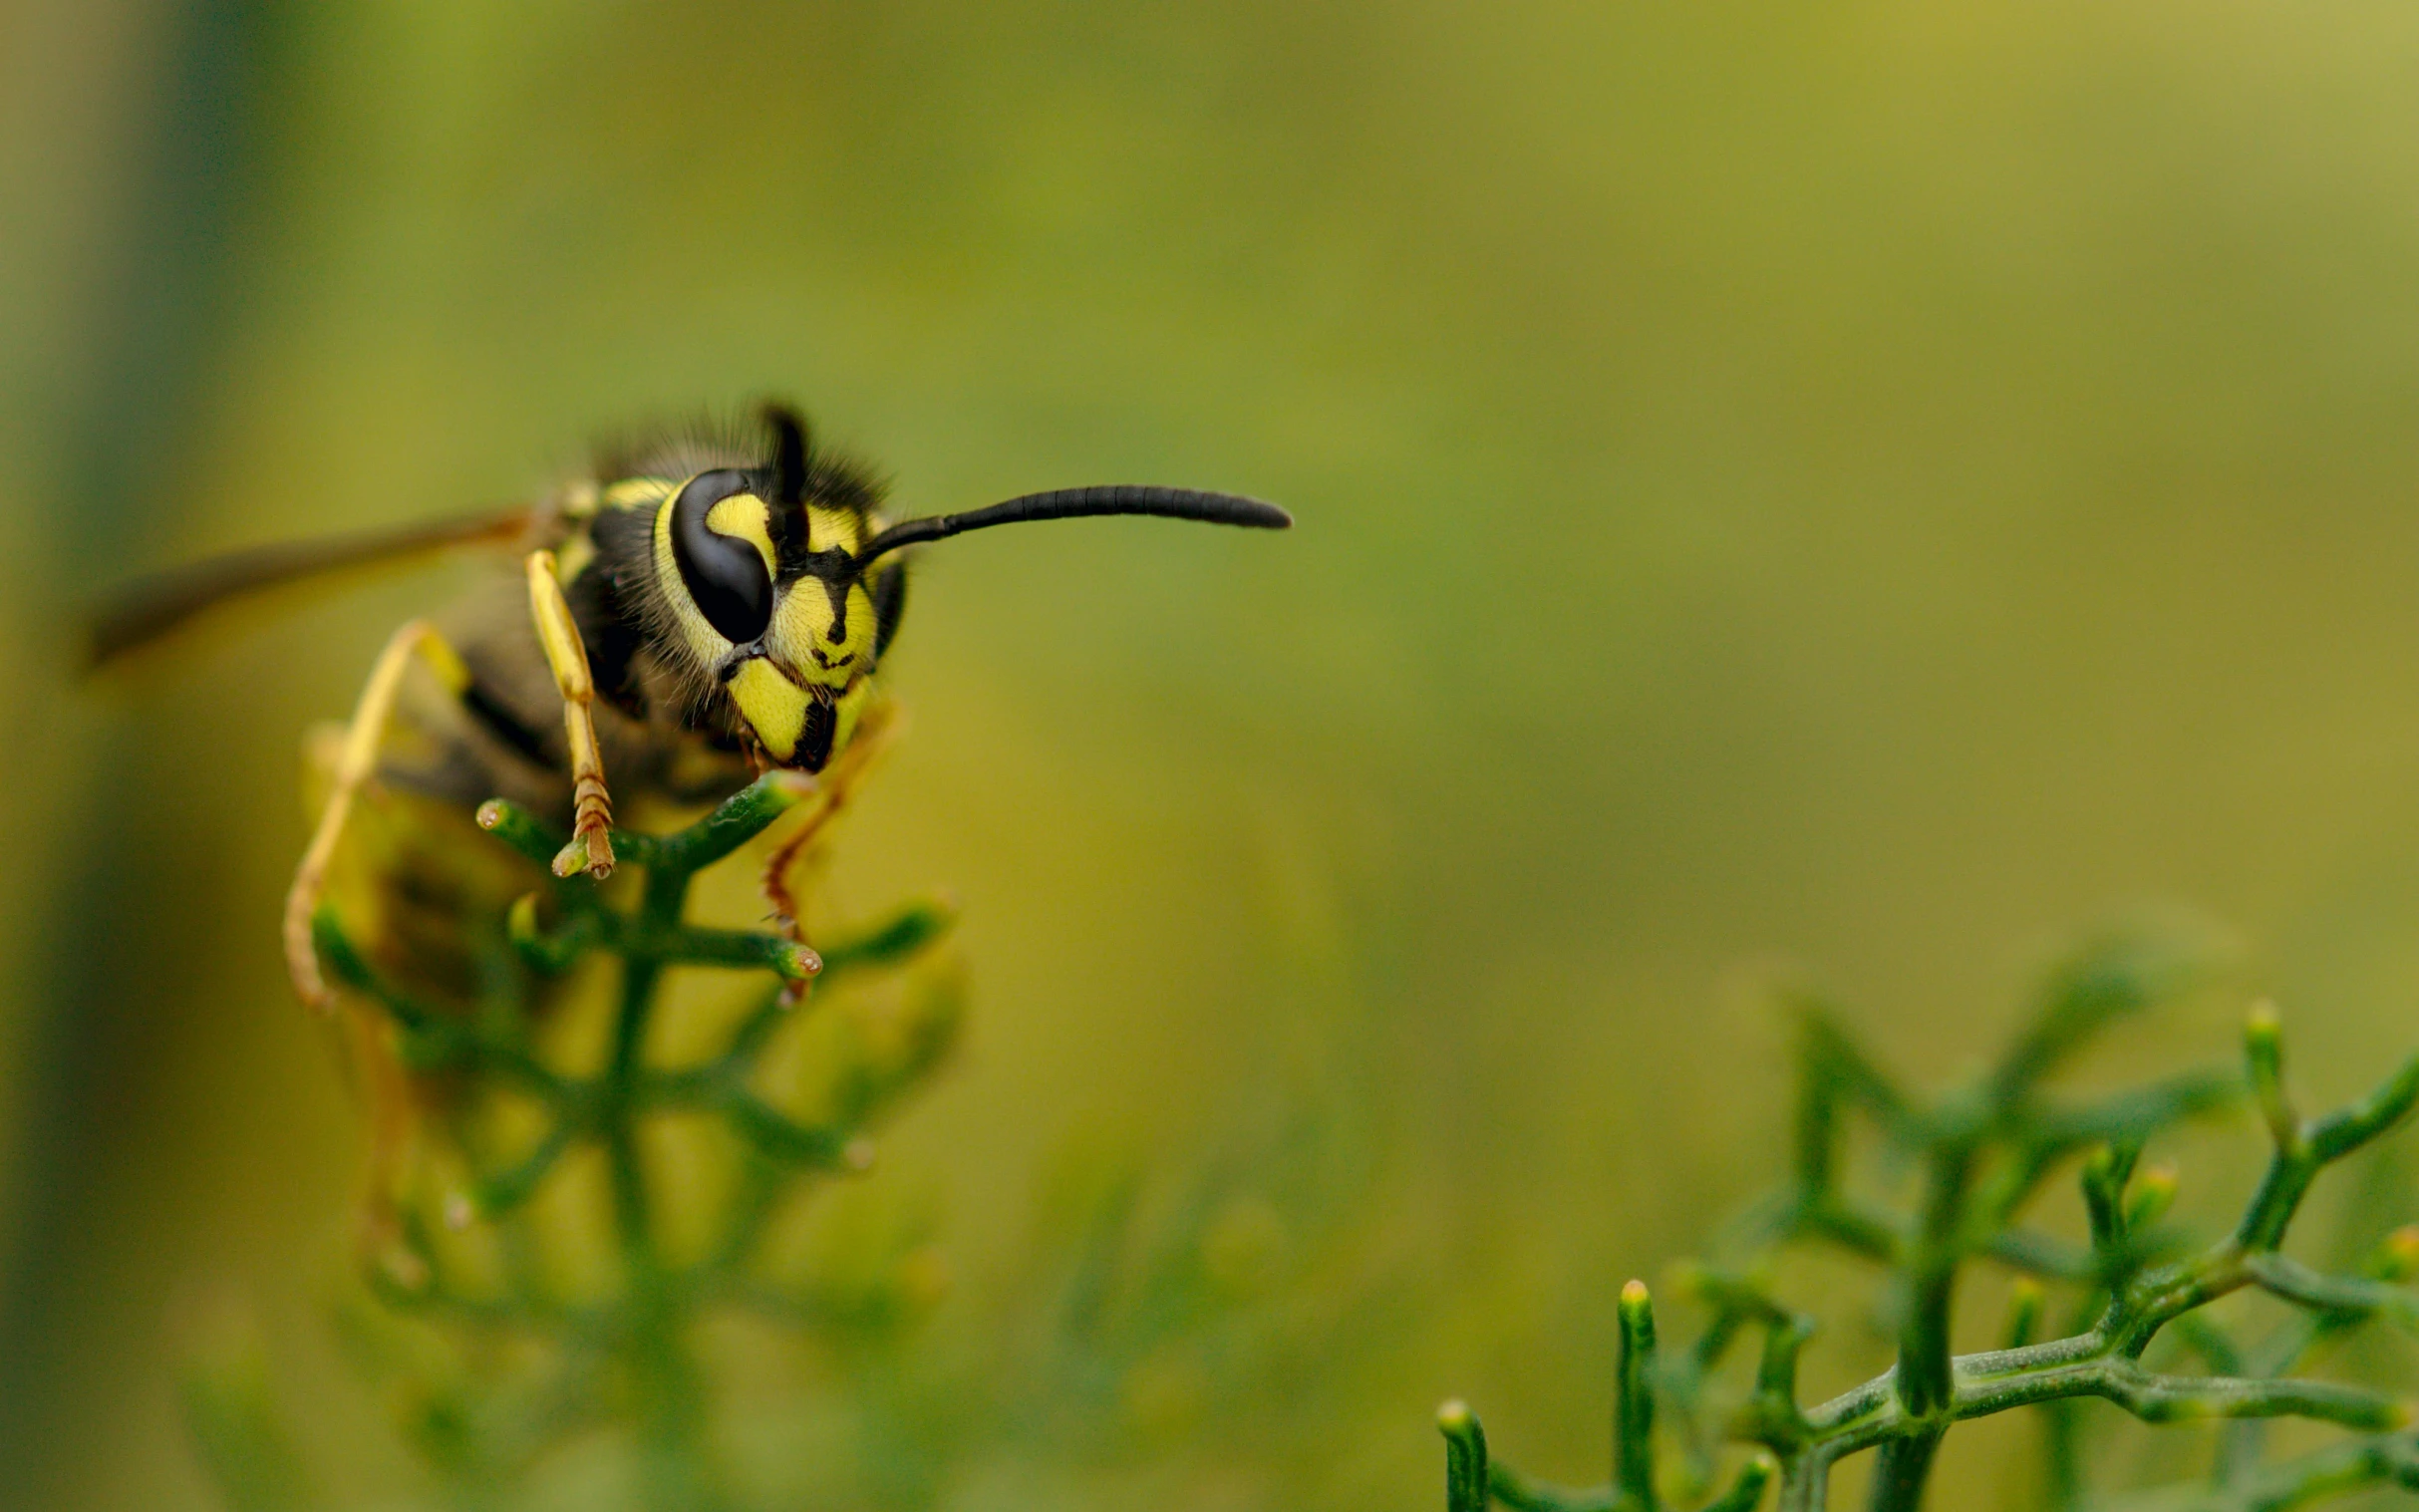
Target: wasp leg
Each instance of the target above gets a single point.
(355, 762)
(567, 654)
(374, 1072)
(833, 788)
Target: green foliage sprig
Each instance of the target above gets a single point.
(1981, 1153)
(625, 1356)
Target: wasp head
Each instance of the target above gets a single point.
(763, 568)
(772, 573)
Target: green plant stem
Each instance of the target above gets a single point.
(1465, 1459)
(1633, 1402)
(665, 1376)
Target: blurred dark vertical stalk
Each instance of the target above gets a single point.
(129, 400)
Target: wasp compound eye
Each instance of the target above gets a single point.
(721, 540)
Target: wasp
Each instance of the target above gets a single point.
(694, 611)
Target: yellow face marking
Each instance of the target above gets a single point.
(743, 517)
(774, 707)
(800, 634)
(826, 528)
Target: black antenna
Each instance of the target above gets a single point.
(788, 454)
(1077, 503)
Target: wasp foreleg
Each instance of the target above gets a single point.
(568, 656)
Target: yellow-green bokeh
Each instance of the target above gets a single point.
(1875, 487)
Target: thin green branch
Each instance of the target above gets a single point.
(1749, 1488)
(1522, 1494)
(508, 1189)
(823, 1148)
(2178, 1398)
(2346, 1129)
(2131, 1117)
(2355, 1297)
(2106, 979)
(691, 945)
(2038, 1255)
(426, 1040)
(2335, 1470)
(1982, 1154)
(740, 818)
(554, 954)
(890, 941)
(518, 828)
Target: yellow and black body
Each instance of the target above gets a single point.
(694, 612)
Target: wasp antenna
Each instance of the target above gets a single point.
(789, 445)
(1078, 503)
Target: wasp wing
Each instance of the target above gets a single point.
(149, 607)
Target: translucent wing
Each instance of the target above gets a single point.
(147, 608)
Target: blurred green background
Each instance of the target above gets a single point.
(1874, 487)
